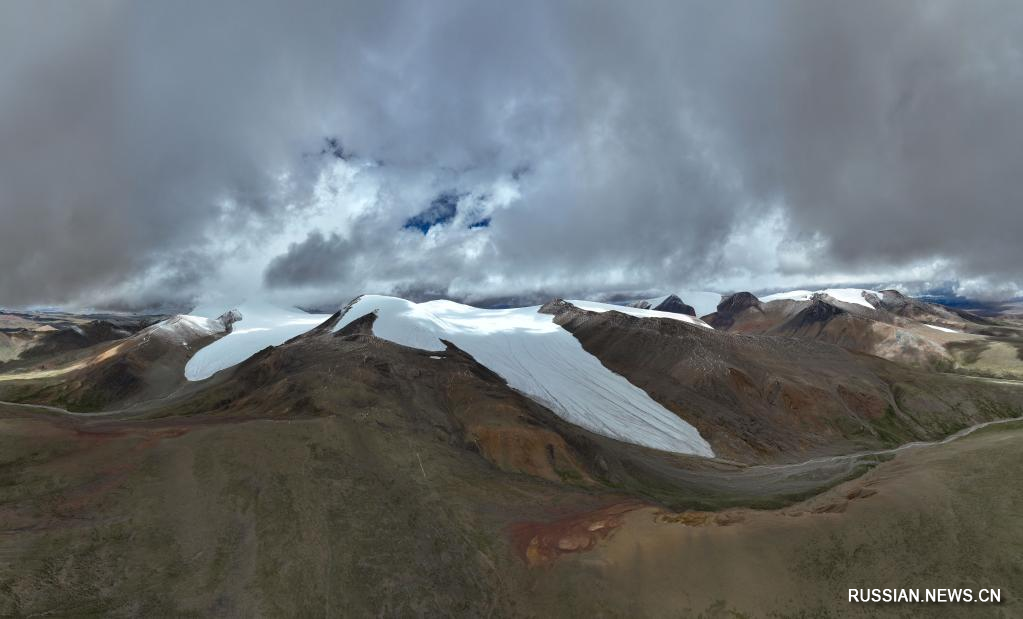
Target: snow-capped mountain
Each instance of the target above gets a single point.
(186, 327)
(523, 346)
(546, 360)
(254, 326)
(540, 359)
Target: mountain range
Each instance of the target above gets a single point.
(570, 458)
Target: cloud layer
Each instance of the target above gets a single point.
(152, 154)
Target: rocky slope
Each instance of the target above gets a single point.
(757, 398)
(885, 324)
(116, 373)
(29, 336)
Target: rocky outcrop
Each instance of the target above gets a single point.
(556, 307)
(818, 312)
(228, 319)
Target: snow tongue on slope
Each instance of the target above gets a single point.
(593, 306)
(942, 329)
(539, 358)
(260, 325)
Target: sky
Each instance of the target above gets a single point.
(156, 154)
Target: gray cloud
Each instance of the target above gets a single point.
(148, 151)
(318, 259)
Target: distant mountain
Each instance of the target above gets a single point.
(885, 323)
(669, 303)
(700, 303)
(33, 335)
(114, 372)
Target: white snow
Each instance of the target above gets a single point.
(200, 324)
(593, 306)
(261, 325)
(792, 295)
(855, 296)
(540, 359)
(942, 329)
(251, 330)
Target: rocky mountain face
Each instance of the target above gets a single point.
(230, 317)
(895, 327)
(899, 304)
(769, 398)
(731, 308)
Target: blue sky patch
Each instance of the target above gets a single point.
(441, 210)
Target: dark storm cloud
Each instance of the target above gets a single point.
(318, 259)
(149, 143)
(895, 128)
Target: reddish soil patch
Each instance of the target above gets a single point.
(533, 451)
(541, 543)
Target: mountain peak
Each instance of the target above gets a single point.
(671, 303)
(738, 302)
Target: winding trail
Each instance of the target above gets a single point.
(63, 411)
(137, 407)
(893, 450)
(853, 457)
